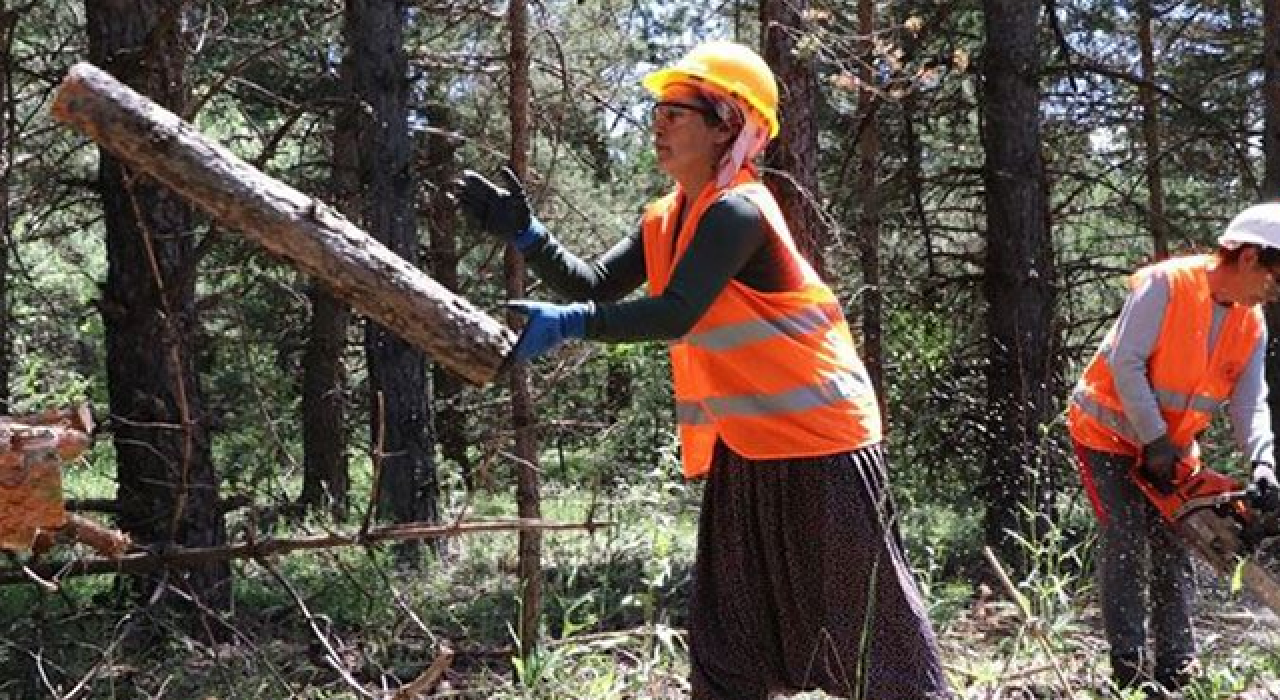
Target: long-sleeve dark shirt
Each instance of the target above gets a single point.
(731, 242)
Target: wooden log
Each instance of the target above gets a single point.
(289, 224)
(106, 541)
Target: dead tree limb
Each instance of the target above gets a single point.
(179, 557)
(287, 223)
(428, 679)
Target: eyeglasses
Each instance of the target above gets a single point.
(667, 111)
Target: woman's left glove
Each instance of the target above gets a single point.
(503, 212)
(1265, 487)
(548, 326)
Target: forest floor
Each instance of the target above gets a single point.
(612, 624)
(992, 653)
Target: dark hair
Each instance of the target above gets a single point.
(709, 114)
(1269, 257)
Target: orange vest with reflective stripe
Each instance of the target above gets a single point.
(1190, 383)
(773, 374)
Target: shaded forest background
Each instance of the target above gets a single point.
(975, 179)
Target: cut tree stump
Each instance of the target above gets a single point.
(289, 224)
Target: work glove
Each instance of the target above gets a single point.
(1265, 488)
(548, 326)
(503, 213)
(1159, 464)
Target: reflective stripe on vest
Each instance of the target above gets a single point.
(736, 334)
(843, 387)
(1114, 420)
(1168, 399)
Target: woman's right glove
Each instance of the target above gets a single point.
(503, 213)
(1265, 488)
(1159, 463)
(548, 326)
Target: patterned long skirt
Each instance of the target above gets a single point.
(802, 583)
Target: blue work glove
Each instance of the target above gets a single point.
(548, 326)
(1265, 488)
(502, 212)
(1159, 462)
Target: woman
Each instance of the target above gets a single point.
(1190, 336)
(801, 579)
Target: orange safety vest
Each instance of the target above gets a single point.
(1189, 382)
(773, 374)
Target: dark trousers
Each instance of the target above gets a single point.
(802, 582)
(1138, 553)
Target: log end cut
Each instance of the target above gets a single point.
(72, 92)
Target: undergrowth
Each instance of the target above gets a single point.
(611, 626)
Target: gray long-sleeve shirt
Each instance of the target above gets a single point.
(1135, 338)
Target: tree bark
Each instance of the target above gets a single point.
(7, 22)
(793, 155)
(451, 421)
(1156, 220)
(376, 72)
(869, 209)
(286, 222)
(168, 488)
(524, 416)
(1019, 278)
(1271, 95)
(1271, 180)
(325, 469)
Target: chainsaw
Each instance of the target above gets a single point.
(1221, 522)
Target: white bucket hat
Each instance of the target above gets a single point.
(1259, 225)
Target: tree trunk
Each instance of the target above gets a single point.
(287, 223)
(793, 155)
(326, 470)
(376, 71)
(7, 22)
(1156, 220)
(869, 209)
(325, 475)
(523, 412)
(168, 490)
(1271, 94)
(1018, 284)
(1271, 181)
(451, 421)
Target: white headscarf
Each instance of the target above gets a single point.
(753, 136)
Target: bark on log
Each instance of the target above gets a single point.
(288, 223)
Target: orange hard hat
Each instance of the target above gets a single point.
(729, 68)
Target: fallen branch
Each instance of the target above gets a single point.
(354, 266)
(428, 679)
(179, 557)
(331, 655)
(1035, 626)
